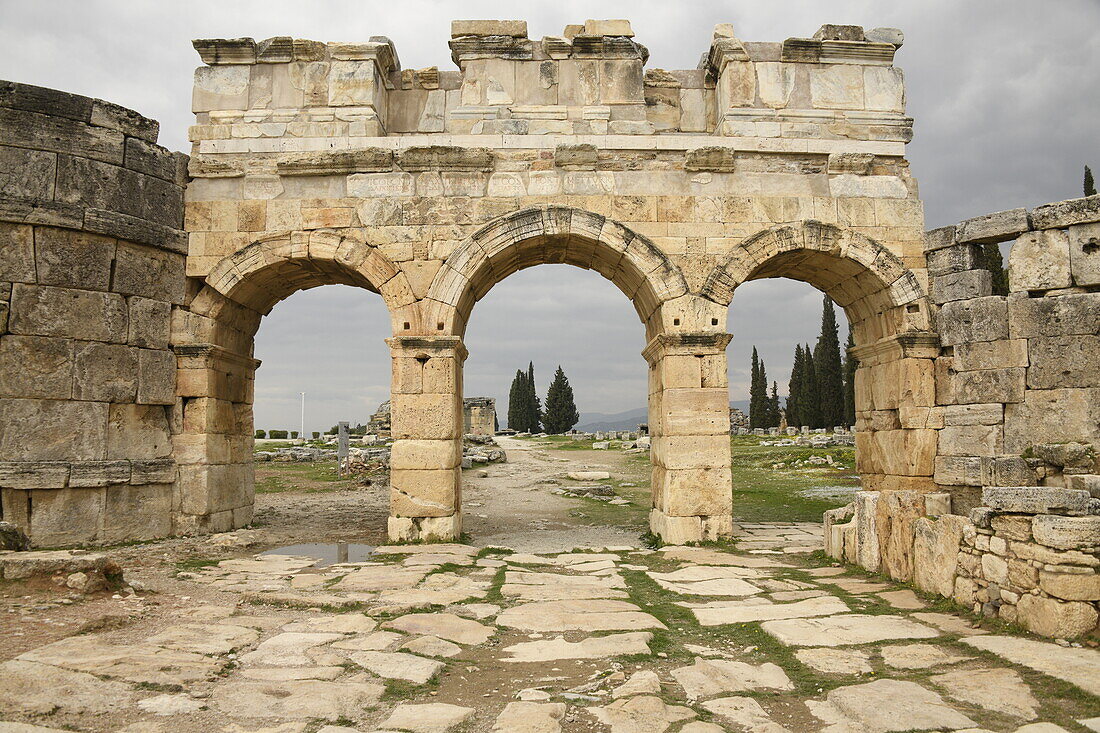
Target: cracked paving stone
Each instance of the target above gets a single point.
(527, 586)
(348, 623)
(381, 577)
(133, 662)
(595, 647)
(374, 642)
(289, 674)
(298, 699)
(1080, 667)
(706, 580)
(889, 705)
(29, 688)
(641, 714)
(443, 625)
(398, 665)
(710, 677)
(530, 717)
(436, 717)
(999, 690)
(845, 629)
(439, 589)
(948, 624)
(587, 615)
(204, 638)
(717, 613)
(645, 682)
(432, 646)
(836, 661)
(287, 649)
(166, 705)
(745, 713)
(918, 656)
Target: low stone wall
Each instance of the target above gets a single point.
(91, 265)
(1018, 421)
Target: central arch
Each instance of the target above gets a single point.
(888, 313)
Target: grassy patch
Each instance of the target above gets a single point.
(765, 494)
(275, 478)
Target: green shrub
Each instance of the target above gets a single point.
(316, 435)
(294, 434)
(261, 434)
(277, 434)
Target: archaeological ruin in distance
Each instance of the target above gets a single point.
(133, 280)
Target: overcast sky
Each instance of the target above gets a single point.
(1004, 93)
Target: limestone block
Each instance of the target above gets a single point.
(977, 319)
(36, 366)
(692, 451)
(1076, 586)
(1006, 471)
(973, 414)
(775, 83)
(838, 86)
(736, 86)
(88, 474)
(33, 475)
(952, 259)
(1066, 213)
(676, 530)
(371, 185)
(991, 354)
(138, 432)
(961, 285)
(1063, 315)
(989, 385)
(614, 27)
(1084, 254)
(1052, 416)
(1012, 527)
(352, 83)
(426, 454)
(1064, 361)
(958, 470)
(1054, 618)
(159, 471)
(66, 517)
(137, 512)
(999, 226)
(424, 493)
(426, 416)
(37, 171)
(1040, 261)
(695, 411)
(220, 87)
(53, 430)
(208, 490)
(105, 372)
(16, 253)
(149, 273)
(867, 547)
(695, 491)
(936, 239)
(1036, 500)
(73, 259)
(884, 89)
(150, 323)
(80, 314)
(896, 512)
(513, 28)
(1067, 533)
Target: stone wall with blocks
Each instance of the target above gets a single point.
(317, 163)
(91, 265)
(1018, 421)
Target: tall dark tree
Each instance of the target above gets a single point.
(773, 407)
(827, 367)
(1090, 184)
(758, 393)
(794, 389)
(534, 406)
(517, 403)
(990, 259)
(561, 411)
(850, 366)
(811, 401)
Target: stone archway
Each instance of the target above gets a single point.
(888, 313)
(213, 341)
(688, 402)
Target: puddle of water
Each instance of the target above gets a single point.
(327, 553)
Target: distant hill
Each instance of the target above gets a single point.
(591, 422)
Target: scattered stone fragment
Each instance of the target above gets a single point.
(398, 665)
(170, 705)
(710, 677)
(595, 647)
(588, 615)
(641, 714)
(836, 661)
(443, 625)
(435, 717)
(917, 656)
(645, 682)
(845, 629)
(1077, 666)
(530, 717)
(297, 700)
(745, 713)
(999, 690)
(718, 613)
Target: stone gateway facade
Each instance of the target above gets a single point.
(316, 163)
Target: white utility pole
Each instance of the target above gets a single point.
(302, 434)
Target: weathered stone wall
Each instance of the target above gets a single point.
(318, 163)
(1018, 420)
(91, 265)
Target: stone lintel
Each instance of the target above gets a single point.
(918, 345)
(195, 356)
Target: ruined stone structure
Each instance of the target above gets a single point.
(318, 163)
(1017, 527)
(479, 417)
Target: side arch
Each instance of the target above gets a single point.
(549, 235)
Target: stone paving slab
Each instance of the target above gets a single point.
(718, 613)
(592, 615)
(1080, 667)
(846, 629)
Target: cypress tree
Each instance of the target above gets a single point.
(990, 259)
(561, 410)
(517, 403)
(850, 366)
(1090, 184)
(811, 402)
(827, 367)
(758, 394)
(773, 407)
(794, 389)
(534, 406)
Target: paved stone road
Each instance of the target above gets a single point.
(443, 638)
